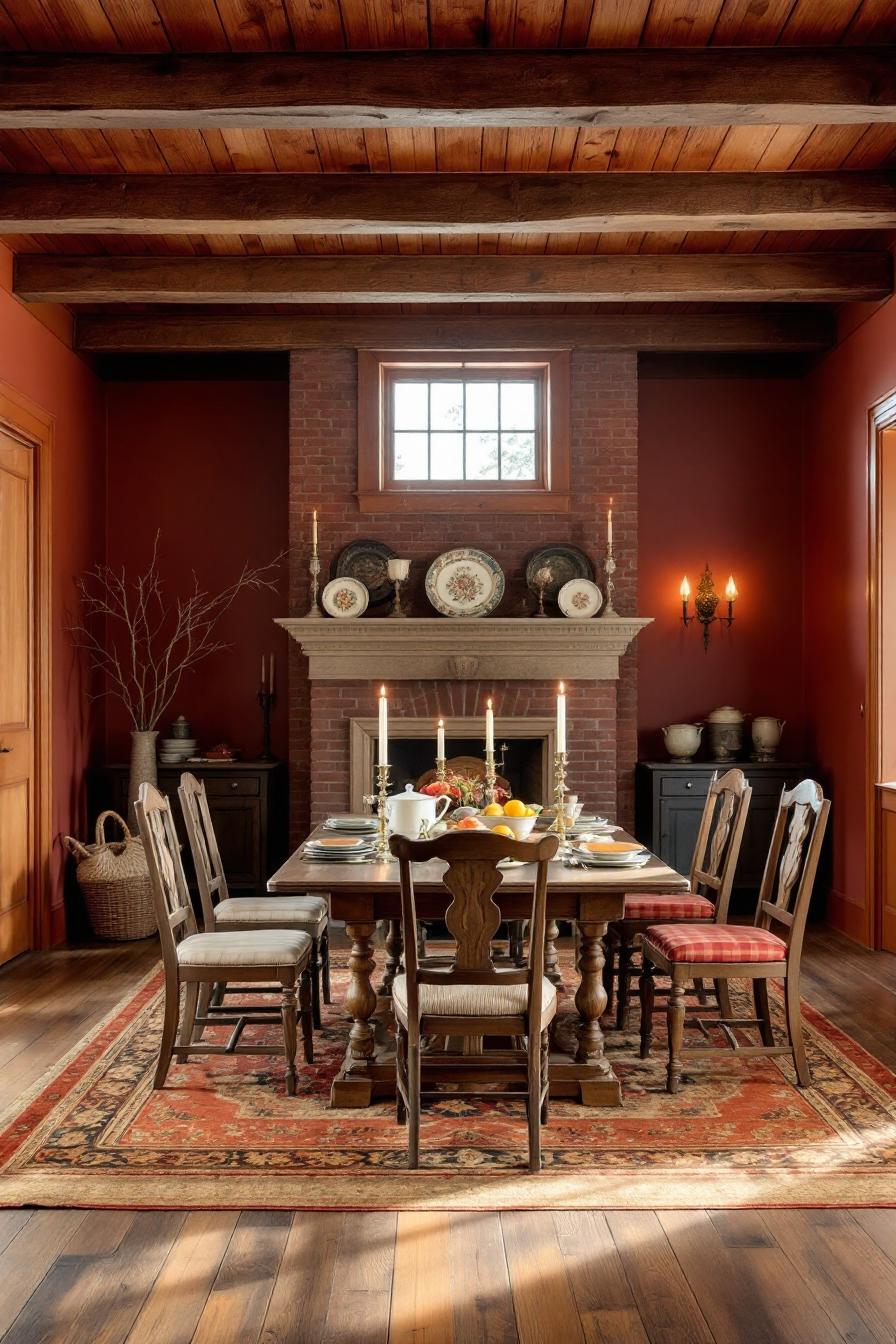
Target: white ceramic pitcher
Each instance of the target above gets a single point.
(412, 813)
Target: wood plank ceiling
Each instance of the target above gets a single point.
(222, 26)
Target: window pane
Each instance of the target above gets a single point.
(517, 406)
(411, 406)
(482, 406)
(411, 457)
(447, 456)
(518, 457)
(482, 457)
(447, 406)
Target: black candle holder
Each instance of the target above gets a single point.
(266, 700)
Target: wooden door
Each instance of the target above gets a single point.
(17, 697)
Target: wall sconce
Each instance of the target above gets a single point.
(706, 601)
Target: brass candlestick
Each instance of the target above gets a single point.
(314, 570)
(558, 826)
(491, 779)
(441, 770)
(609, 586)
(382, 834)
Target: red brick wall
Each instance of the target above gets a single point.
(323, 475)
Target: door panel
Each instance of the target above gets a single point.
(17, 737)
(887, 866)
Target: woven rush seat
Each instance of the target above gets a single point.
(643, 905)
(269, 947)
(715, 943)
(309, 913)
(473, 1000)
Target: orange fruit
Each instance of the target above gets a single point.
(493, 810)
(503, 830)
(514, 808)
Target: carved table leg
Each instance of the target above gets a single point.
(394, 950)
(351, 1087)
(591, 1002)
(551, 958)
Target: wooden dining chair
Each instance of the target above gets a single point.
(713, 867)
(769, 949)
(223, 913)
(472, 997)
(196, 960)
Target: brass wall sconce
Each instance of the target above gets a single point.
(706, 601)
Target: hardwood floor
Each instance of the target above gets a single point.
(669, 1277)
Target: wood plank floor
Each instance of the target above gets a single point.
(686, 1277)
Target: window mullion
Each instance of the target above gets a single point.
(500, 453)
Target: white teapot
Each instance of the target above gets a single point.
(413, 814)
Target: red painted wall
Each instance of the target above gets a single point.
(205, 463)
(39, 365)
(720, 481)
(839, 394)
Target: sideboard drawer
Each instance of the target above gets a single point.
(682, 786)
(232, 788)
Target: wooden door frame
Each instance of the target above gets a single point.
(881, 417)
(35, 428)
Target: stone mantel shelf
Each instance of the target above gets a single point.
(496, 648)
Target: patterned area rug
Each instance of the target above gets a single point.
(223, 1134)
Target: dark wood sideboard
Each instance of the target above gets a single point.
(248, 804)
(669, 801)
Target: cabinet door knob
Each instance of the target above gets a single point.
(689, 784)
(234, 784)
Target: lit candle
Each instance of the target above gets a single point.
(731, 589)
(271, 683)
(489, 728)
(610, 529)
(384, 728)
(262, 671)
(561, 718)
(685, 591)
(314, 531)
(440, 741)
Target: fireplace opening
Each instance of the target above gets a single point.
(519, 761)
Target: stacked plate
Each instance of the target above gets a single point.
(176, 750)
(611, 854)
(339, 849)
(349, 825)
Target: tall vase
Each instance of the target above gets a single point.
(143, 769)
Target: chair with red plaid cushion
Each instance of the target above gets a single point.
(712, 875)
(768, 949)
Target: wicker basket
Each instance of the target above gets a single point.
(114, 880)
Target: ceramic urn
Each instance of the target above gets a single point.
(726, 733)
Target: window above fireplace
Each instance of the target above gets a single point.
(439, 432)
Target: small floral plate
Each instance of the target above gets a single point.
(344, 598)
(580, 599)
(465, 582)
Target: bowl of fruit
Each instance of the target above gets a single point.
(513, 818)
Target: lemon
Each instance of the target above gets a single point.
(503, 830)
(514, 808)
(529, 812)
(493, 810)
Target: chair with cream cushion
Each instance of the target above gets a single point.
(221, 912)
(201, 960)
(471, 997)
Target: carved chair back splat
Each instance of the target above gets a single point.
(473, 918)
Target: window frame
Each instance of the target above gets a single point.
(379, 492)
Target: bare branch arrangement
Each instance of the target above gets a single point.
(150, 641)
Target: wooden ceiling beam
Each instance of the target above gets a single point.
(794, 330)
(818, 277)
(447, 203)
(644, 87)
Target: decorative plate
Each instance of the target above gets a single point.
(564, 562)
(580, 599)
(344, 598)
(465, 582)
(366, 561)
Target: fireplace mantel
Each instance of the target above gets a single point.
(463, 649)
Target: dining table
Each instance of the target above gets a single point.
(366, 894)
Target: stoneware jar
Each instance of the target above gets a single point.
(682, 740)
(726, 733)
(766, 733)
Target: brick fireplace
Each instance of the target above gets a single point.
(323, 471)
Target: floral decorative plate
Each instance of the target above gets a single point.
(580, 599)
(465, 582)
(344, 598)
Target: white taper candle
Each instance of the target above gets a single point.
(384, 728)
(561, 718)
(440, 741)
(489, 727)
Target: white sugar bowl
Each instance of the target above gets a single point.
(683, 740)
